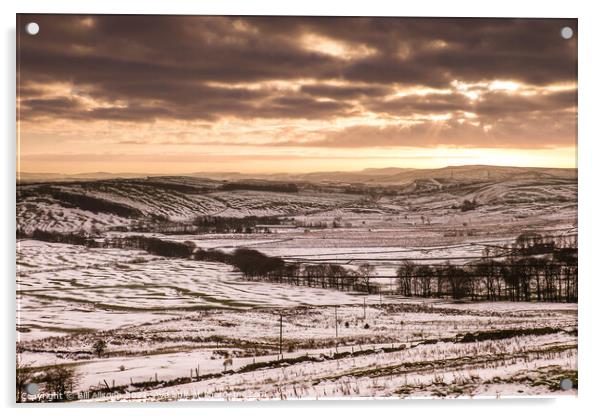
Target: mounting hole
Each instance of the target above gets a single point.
(566, 384)
(32, 28)
(31, 388)
(566, 32)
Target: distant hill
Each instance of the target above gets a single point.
(476, 172)
(89, 201)
(399, 176)
(377, 176)
(60, 177)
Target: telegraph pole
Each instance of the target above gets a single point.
(336, 330)
(364, 309)
(336, 323)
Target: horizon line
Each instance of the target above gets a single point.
(284, 172)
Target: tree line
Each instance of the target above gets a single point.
(247, 224)
(78, 239)
(530, 269)
(268, 187)
(252, 264)
(208, 224)
(542, 279)
(81, 201)
(257, 266)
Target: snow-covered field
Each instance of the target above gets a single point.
(393, 349)
(110, 286)
(185, 329)
(164, 320)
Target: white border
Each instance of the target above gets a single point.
(590, 163)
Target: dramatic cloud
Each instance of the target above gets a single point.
(297, 81)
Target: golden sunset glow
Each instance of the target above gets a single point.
(256, 95)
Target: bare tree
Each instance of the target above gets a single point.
(99, 347)
(366, 270)
(423, 281)
(405, 273)
(59, 381)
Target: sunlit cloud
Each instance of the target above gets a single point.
(336, 48)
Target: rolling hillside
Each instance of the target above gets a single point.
(71, 206)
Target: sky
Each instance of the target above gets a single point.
(183, 94)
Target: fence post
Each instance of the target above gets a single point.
(281, 337)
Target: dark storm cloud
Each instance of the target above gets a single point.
(55, 106)
(190, 68)
(550, 130)
(528, 50)
(192, 105)
(430, 103)
(497, 104)
(345, 93)
(489, 103)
